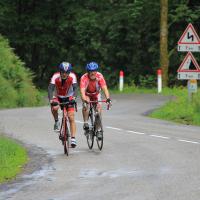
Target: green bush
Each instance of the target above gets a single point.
(8, 95)
(148, 81)
(16, 87)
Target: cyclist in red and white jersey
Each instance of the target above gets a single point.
(91, 84)
(63, 85)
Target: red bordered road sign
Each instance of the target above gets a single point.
(189, 41)
(185, 72)
(185, 65)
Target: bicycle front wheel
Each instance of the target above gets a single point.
(99, 131)
(90, 132)
(66, 141)
(65, 136)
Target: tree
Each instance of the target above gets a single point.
(164, 59)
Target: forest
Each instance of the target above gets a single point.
(118, 34)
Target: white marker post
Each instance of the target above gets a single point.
(121, 80)
(159, 74)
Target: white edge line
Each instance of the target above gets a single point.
(119, 129)
(188, 141)
(159, 136)
(139, 133)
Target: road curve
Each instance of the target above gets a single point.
(142, 158)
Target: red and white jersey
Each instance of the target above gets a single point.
(64, 89)
(92, 86)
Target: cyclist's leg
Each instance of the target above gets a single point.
(85, 113)
(54, 111)
(99, 123)
(99, 105)
(71, 117)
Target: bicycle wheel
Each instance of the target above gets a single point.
(90, 133)
(99, 131)
(65, 133)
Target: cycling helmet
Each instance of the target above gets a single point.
(92, 66)
(65, 67)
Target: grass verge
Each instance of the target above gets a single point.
(12, 158)
(180, 109)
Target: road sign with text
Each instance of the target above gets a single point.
(189, 68)
(189, 41)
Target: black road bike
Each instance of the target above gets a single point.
(95, 125)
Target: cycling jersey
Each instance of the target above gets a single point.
(92, 87)
(64, 88)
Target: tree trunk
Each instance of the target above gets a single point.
(164, 59)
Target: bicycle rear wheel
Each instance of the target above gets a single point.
(90, 132)
(99, 132)
(66, 141)
(65, 135)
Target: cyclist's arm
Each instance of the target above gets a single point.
(51, 89)
(75, 89)
(83, 96)
(106, 92)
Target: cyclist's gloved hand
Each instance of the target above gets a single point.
(85, 101)
(54, 103)
(108, 100)
(72, 99)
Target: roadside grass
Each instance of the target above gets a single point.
(133, 89)
(12, 159)
(179, 109)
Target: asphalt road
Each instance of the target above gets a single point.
(142, 158)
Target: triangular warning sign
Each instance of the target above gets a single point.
(189, 36)
(189, 64)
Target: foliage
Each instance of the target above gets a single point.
(120, 35)
(148, 81)
(16, 87)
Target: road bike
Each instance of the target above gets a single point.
(95, 125)
(64, 133)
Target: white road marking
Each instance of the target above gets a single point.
(110, 127)
(188, 141)
(159, 136)
(152, 135)
(139, 133)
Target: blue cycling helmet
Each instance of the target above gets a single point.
(92, 66)
(65, 67)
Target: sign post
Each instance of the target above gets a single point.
(159, 80)
(121, 80)
(192, 88)
(189, 68)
